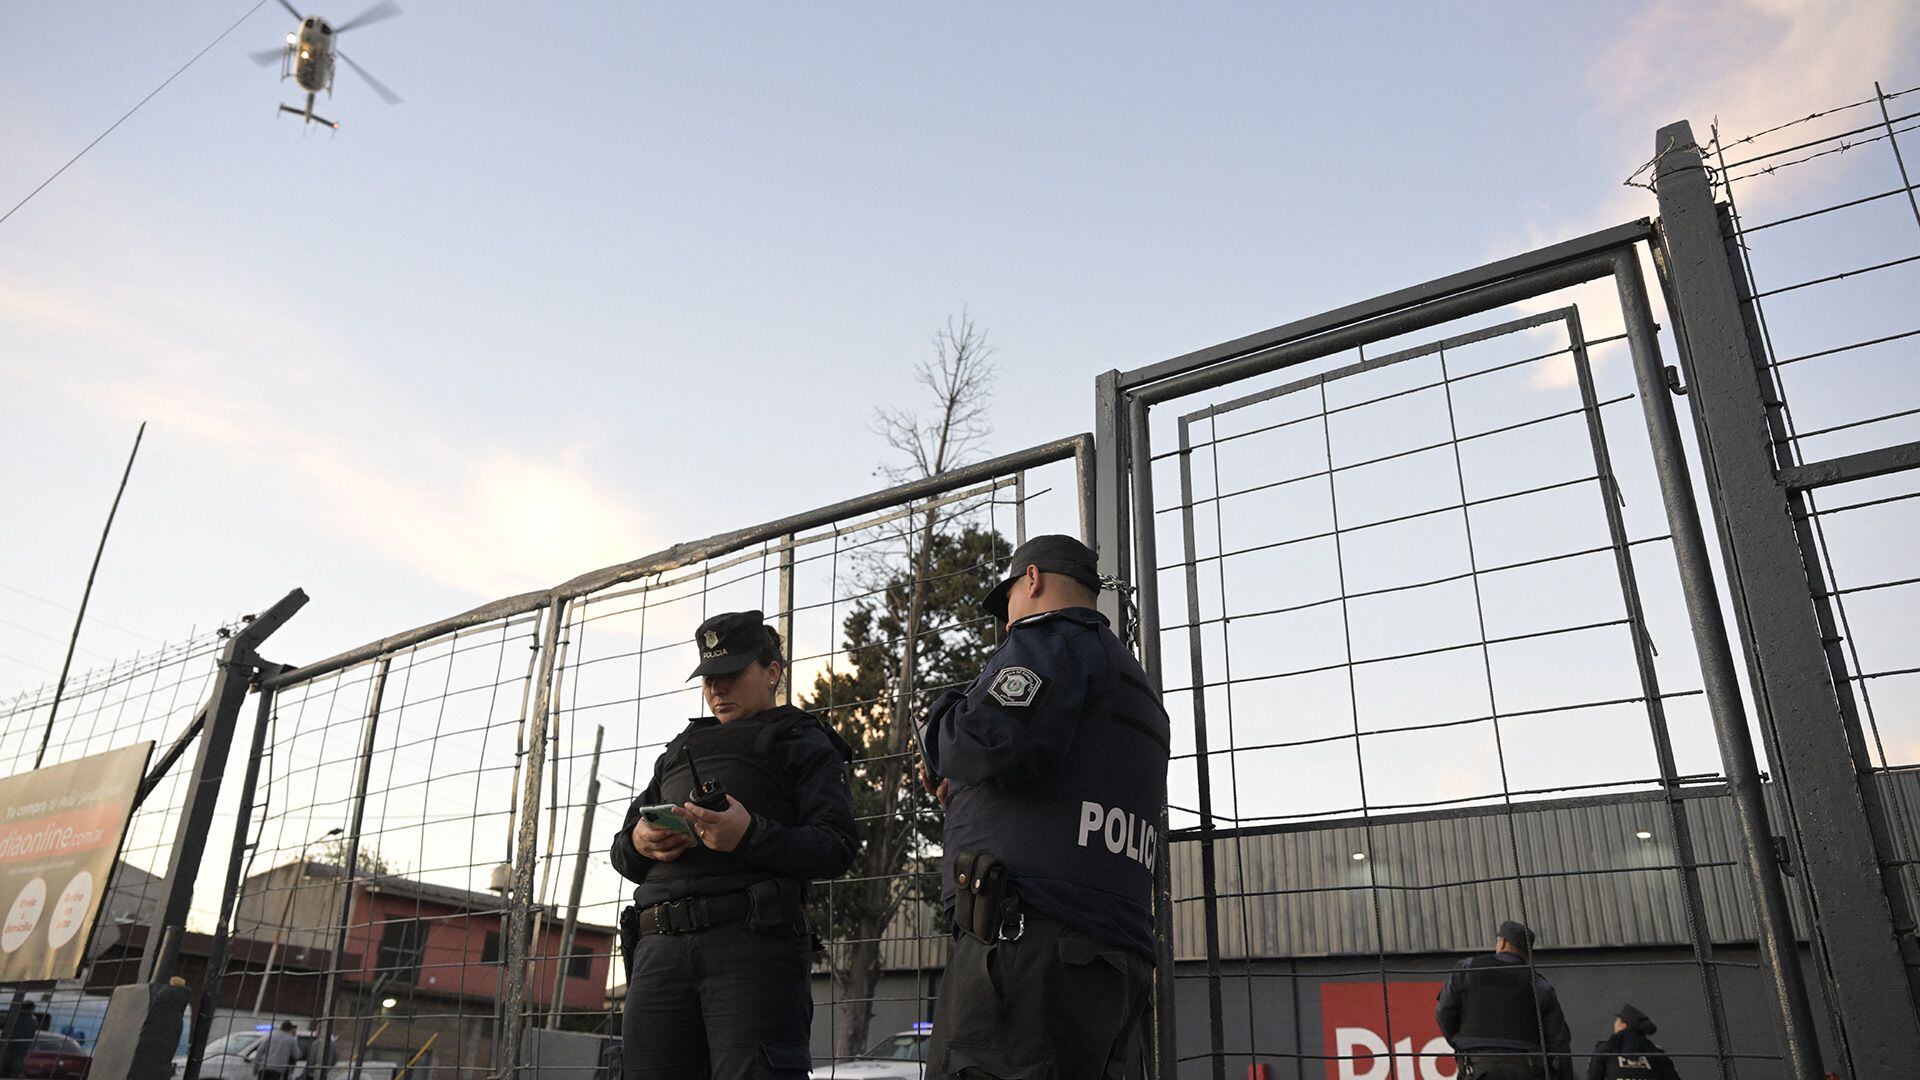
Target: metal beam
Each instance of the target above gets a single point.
(1388, 324)
(1861, 466)
(217, 720)
(1853, 928)
(1502, 270)
(1078, 447)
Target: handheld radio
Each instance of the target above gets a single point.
(706, 794)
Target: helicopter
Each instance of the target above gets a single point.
(309, 53)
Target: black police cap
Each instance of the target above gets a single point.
(730, 641)
(1053, 554)
(1517, 935)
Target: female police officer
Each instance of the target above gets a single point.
(718, 979)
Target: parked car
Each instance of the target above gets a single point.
(56, 1057)
(233, 1057)
(901, 1056)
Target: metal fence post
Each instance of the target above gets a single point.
(1851, 925)
(208, 997)
(519, 894)
(1109, 490)
(1203, 761)
(1147, 595)
(137, 1037)
(1779, 951)
(323, 1040)
(215, 724)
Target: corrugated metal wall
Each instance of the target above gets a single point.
(1443, 882)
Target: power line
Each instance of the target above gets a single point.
(130, 112)
(97, 621)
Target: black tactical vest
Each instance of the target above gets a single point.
(1094, 822)
(1632, 1066)
(1498, 1002)
(738, 754)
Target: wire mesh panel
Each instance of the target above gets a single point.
(150, 697)
(1425, 622)
(374, 904)
(1824, 220)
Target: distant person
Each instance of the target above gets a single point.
(1630, 1053)
(19, 1040)
(719, 978)
(280, 1054)
(1502, 1018)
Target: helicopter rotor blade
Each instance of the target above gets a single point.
(266, 56)
(379, 87)
(380, 12)
(294, 11)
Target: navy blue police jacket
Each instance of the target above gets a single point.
(802, 809)
(1057, 754)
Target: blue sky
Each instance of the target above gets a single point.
(629, 274)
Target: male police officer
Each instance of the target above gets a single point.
(1053, 764)
(1503, 1018)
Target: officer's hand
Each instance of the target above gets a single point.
(720, 830)
(658, 844)
(942, 791)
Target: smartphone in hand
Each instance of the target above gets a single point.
(663, 817)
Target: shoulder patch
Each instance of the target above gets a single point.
(1016, 687)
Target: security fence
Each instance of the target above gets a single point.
(476, 769)
(1426, 582)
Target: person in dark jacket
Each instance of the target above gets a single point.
(1630, 1053)
(1502, 1018)
(1053, 766)
(719, 969)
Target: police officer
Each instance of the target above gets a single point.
(1630, 1053)
(718, 971)
(1503, 1018)
(1053, 765)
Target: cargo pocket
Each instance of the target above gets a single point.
(986, 1063)
(786, 1062)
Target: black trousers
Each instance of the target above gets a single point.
(1055, 1004)
(727, 1003)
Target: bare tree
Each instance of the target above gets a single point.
(935, 566)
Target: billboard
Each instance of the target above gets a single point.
(1359, 1044)
(60, 832)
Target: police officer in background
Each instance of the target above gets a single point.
(1053, 766)
(718, 968)
(1503, 1018)
(1631, 1053)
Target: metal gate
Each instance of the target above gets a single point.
(1409, 624)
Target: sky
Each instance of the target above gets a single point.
(613, 279)
(629, 275)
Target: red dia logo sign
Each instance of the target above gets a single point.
(1353, 1027)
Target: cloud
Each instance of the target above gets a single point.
(1750, 64)
(358, 467)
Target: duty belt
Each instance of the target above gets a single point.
(693, 913)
